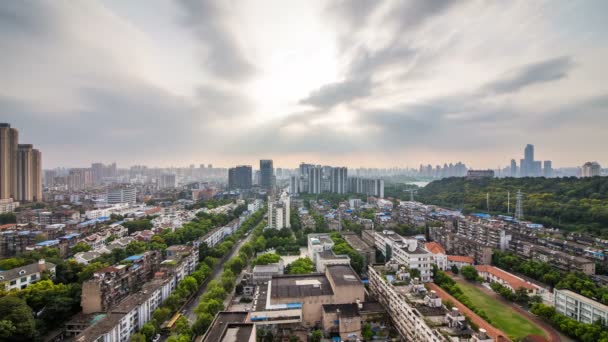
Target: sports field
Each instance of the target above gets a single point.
(502, 316)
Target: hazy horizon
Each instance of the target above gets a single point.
(353, 83)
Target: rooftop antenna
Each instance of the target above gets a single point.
(519, 210)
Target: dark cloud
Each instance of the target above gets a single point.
(333, 94)
(539, 72)
(223, 56)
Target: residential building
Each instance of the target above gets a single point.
(266, 174)
(279, 212)
(315, 175)
(29, 174)
(578, 307)
(80, 179)
(7, 205)
(366, 186)
(122, 320)
(339, 182)
(167, 181)
(328, 257)
(9, 140)
(294, 185)
(405, 252)
(318, 243)
(20, 277)
(591, 169)
(406, 305)
(240, 177)
(111, 284)
(547, 169)
(121, 194)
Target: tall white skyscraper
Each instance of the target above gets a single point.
(315, 174)
(338, 181)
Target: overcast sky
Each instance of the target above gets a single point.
(355, 83)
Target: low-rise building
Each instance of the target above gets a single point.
(439, 256)
(328, 257)
(264, 273)
(578, 307)
(230, 327)
(318, 243)
(459, 261)
(21, 277)
(493, 274)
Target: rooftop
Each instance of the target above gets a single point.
(23, 271)
(434, 247)
(461, 258)
(220, 323)
(512, 280)
(345, 310)
(101, 327)
(296, 286)
(343, 275)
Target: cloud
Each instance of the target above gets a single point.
(549, 70)
(223, 56)
(333, 94)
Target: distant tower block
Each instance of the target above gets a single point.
(519, 209)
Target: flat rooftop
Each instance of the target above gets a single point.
(297, 286)
(221, 321)
(343, 275)
(103, 326)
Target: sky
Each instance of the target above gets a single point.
(353, 83)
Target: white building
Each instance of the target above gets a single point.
(278, 212)
(318, 243)
(255, 205)
(7, 205)
(405, 252)
(294, 185)
(21, 277)
(123, 194)
(578, 307)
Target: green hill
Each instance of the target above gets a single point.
(568, 203)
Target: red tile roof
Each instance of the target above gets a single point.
(461, 258)
(8, 226)
(434, 247)
(512, 280)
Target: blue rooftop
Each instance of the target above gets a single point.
(70, 236)
(482, 215)
(103, 218)
(134, 257)
(47, 243)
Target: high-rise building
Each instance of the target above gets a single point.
(339, 184)
(278, 212)
(528, 166)
(29, 174)
(266, 174)
(167, 181)
(121, 194)
(513, 170)
(294, 185)
(239, 177)
(590, 169)
(304, 169)
(80, 178)
(547, 169)
(366, 186)
(9, 139)
(315, 174)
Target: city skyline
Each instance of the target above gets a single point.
(343, 83)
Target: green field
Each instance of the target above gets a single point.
(502, 316)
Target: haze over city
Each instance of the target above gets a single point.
(354, 83)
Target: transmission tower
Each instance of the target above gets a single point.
(519, 206)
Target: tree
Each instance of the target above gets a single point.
(182, 326)
(521, 295)
(10, 263)
(149, 330)
(81, 247)
(8, 218)
(367, 332)
(138, 337)
(135, 247)
(7, 329)
(454, 269)
(211, 306)
(301, 266)
(316, 336)
(158, 243)
(88, 271)
(189, 284)
(202, 323)
(16, 311)
(469, 273)
(267, 258)
(160, 315)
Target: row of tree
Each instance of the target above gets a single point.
(596, 332)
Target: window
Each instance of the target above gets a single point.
(34, 277)
(13, 282)
(24, 280)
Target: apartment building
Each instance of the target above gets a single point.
(15, 241)
(111, 284)
(439, 255)
(7, 205)
(562, 261)
(279, 212)
(455, 244)
(405, 306)
(491, 233)
(578, 307)
(405, 251)
(119, 322)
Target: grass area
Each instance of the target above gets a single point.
(502, 316)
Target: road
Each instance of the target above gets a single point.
(215, 274)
